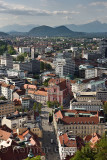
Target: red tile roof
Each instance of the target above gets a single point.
(4, 135)
(58, 115)
(64, 140)
(88, 80)
(80, 120)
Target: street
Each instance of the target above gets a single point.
(51, 150)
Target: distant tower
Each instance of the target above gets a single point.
(103, 48)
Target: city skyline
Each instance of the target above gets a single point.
(52, 12)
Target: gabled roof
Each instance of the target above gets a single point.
(4, 135)
(80, 120)
(20, 92)
(64, 140)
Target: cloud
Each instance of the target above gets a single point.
(14, 9)
(99, 4)
(81, 6)
(68, 18)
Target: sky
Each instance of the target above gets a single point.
(52, 12)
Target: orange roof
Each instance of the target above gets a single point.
(4, 135)
(28, 86)
(56, 81)
(42, 93)
(38, 92)
(26, 132)
(58, 115)
(21, 137)
(64, 140)
(93, 138)
(73, 81)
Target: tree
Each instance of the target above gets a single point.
(105, 107)
(61, 107)
(49, 104)
(86, 153)
(46, 82)
(41, 66)
(20, 58)
(11, 50)
(39, 107)
(35, 106)
(3, 98)
(101, 149)
(34, 158)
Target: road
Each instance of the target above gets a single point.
(51, 150)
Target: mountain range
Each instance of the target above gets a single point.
(94, 26)
(2, 34)
(17, 28)
(43, 31)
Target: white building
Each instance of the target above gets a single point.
(67, 146)
(74, 49)
(14, 122)
(48, 49)
(25, 101)
(7, 90)
(24, 49)
(64, 66)
(92, 85)
(15, 73)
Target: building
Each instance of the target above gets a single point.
(13, 144)
(26, 101)
(25, 50)
(81, 123)
(39, 96)
(92, 139)
(95, 105)
(64, 65)
(103, 48)
(32, 66)
(91, 55)
(6, 108)
(18, 120)
(102, 95)
(68, 144)
(85, 95)
(60, 92)
(93, 84)
(48, 49)
(17, 82)
(6, 60)
(15, 121)
(18, 93)
(100, 71)
(15, 73)
(86, 71)
(6, 90)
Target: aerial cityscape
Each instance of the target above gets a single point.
(53, 80)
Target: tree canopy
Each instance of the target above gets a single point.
(97, 153)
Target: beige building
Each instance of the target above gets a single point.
(6, 107)
(102, 95)
(85, 96)
(94, 105)
(39, 96)
(34, 129)
(80, 123)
